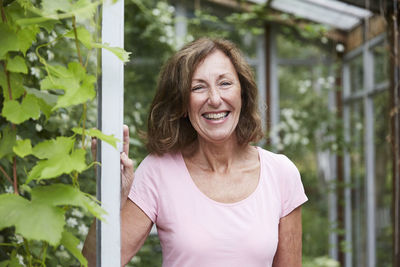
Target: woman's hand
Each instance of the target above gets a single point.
(127, 171)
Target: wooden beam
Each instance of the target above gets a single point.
(355, 38)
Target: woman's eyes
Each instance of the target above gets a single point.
(198, 87)
(226, 83)
(221, 84)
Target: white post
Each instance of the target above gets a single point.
(347, 168)
(274, 82)
(261, 80)
(368, 65)
(111, 96)
(180, 24)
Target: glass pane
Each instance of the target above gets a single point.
(358, 185)
(356, 74)
(381, 62)
(383, 181)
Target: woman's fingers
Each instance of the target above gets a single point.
(126, 139)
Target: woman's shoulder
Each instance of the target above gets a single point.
(159, 162)
(277, 161)
(160, 158)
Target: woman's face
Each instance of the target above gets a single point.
(215, 99)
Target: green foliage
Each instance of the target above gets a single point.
(45, 112)
(17, 113)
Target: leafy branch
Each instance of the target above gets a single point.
(41, 163)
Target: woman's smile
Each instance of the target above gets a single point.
(215, 99)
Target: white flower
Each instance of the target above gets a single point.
(138, 105)
(41, 35)
(50, 55)
(20, 259)
(19, 239)
(83, 229)
(9, 189)
(72, 222)
(171, 9)
(38, 127)
(35, 72)
(135, 259)
(156, 12)
(334, 147)
(62, 254)
(304, 141)
(51, 38)
(339, 48)
(77, 213)
(331, 79)
(302, 89)
(80, 246)
(32, 56)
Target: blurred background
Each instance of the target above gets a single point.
(326, 73)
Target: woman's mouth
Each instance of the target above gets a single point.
(215, 116)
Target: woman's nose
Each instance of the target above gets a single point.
(214, 97)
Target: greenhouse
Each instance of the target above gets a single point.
(327, 74)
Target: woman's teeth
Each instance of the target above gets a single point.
(215, 116)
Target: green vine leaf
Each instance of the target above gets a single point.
(26, 37)
(8, 39)
(33, 220)
(70, 242)
(53, 147)
(118, 51)
(17, 64)
(62, 194)
(52, 6)
(58, 158)
(78, 86)
(17, 88)
(111, 139)
(17, 113)
(58, 165)
(23, 148)
(61, 9)
(45, 100)
(84, 36)
(7, 142)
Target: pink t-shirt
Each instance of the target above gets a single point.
(196, 231)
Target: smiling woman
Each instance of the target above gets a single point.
(215, 101)
(175, 90)
(216, 200)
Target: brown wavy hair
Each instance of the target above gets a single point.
(169, 129)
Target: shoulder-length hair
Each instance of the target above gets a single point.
(169, 129)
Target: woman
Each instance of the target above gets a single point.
(216, 199)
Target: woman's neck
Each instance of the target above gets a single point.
(216, 157)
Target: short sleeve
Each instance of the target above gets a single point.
(292, 190)
(144, 189)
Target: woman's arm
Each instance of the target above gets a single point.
(289, 251)
(135, 227)
(135, 224)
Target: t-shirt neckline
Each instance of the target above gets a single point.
(203, 195)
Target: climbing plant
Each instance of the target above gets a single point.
(48, 74)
